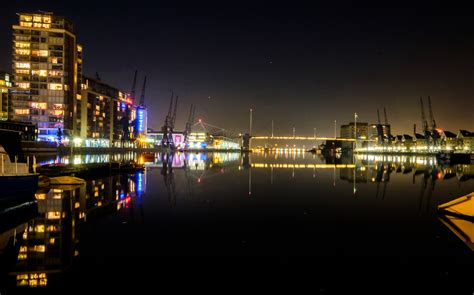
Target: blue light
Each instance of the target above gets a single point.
(139, 180)
(122, 195)
(123, 106)
(140, 119)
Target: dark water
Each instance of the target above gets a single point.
(206, 219)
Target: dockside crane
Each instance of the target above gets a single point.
(432, 120)
(173, 118)
(142, 96)
(134, 85)
(379, 128)
(424, 123)
(435, 134)
(389, 133)
(167, 140)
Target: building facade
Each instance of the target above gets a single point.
(465, 141)
(47, 66)
(107, 117)
(349, 130)
(5, 86)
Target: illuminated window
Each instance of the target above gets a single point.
(58, 112)
(47, 19)
(22, 45)
(22, 65)
(39, 228)
(37, 25)
(40, 196)
(22, 111)
(79, 48)
(53, 228)
(27, 18)
(24, 85)
(42, 73)
(22, 51)
(39, 52)
(27, 72)
(37, 18)
(55, 73)
(55, 86)
(37, 248)
(22, 256)
(46, 26)
(33, 283)
(25, 24)
(39, 105)
(53, 215)
(54, 60)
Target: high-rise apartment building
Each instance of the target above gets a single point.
(47, 66)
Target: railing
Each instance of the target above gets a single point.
(8, 168)
(305, 138)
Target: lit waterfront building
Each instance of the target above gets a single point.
(420, 142)
(107, 117)
(47, 66)
(349, 130)
(465, 141)
(448, 141)
(5, 86)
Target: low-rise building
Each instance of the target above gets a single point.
(27, 131)
(449, 141)
(420, 142)
(466, 141)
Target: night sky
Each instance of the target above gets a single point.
(301, 66)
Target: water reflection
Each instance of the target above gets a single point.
(46, 245)
(41, 240)
(89, 158)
